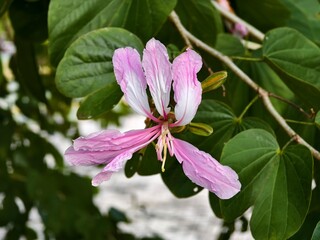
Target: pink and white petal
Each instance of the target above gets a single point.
(205, 171)
(118, 162)
(130, 77)
(88, 157)
(104, 147)
(157, 70)
(114, 139)
(187, 88)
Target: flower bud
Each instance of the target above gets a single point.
(201, 129)
(214, 81)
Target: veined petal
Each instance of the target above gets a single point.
(205, 171)
(114, 139)
(118, 162)
(187, 88)
(157, 69)
(103, 147)
(130, 77)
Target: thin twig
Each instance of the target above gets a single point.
(234, 18)
(245, 78)
(292, 104)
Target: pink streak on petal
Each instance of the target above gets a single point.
(118, 162)
(205, 171)
(187, 88)
(113, 139)
(104, 146)
(157, 69)
(130, 77)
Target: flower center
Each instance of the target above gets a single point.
(164, 144)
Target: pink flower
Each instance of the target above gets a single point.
(113, 149)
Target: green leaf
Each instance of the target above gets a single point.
(26, 69)
(297, 60)
(316, 233)
(304, 17)
(225, 125)
(68, 20)
(99, 102)
(269, 80)
(144, 162)
(149, 163)
(230, 45)
(276, 182)
(194, 14)
(87, 65)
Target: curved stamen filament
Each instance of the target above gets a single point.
(164, 144)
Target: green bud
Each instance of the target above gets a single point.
(201, 129)
(214, 81)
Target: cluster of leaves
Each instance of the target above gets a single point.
(275, 173)
(276, 178)
(32, 172)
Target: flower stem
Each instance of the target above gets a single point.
(248, 106)
(292, 104)
(300, 122)
(288, 143)
(246, 59)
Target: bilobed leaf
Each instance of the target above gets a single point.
(297, 60)
(68, 20)
(200, 18)
(276, 182)
(225, 125)
(99, 102)
(87, 65)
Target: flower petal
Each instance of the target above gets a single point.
(130, 77)
(103, 147)
(205, 171)
(114, 166)
(157, 69)
(187, 88)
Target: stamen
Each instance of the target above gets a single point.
(164, 158)
(163, 145)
